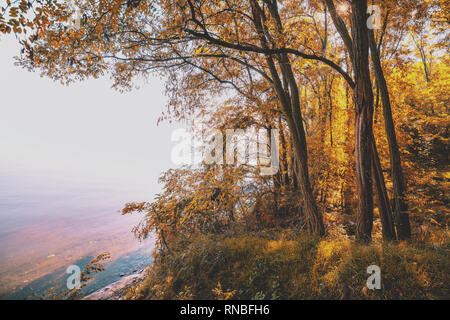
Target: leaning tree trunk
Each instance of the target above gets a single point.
(284, 164)
(293, 166)
(290, 101)
(384, 207)
(313, 217)
(400, 205)
(292, 111)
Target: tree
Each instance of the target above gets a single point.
(400, 205)
(270, 61)
(211, 36)
(368, 167)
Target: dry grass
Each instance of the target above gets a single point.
(295, 267)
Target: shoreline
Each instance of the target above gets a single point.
(118, 289)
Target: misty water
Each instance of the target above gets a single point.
(50, 223)
(70, 158)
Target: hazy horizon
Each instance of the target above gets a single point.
(68, 165)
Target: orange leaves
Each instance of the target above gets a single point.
(221, 68)
(192, 201)
(17, 17)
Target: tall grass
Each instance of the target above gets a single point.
(294, 267)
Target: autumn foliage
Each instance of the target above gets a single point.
(362, 112)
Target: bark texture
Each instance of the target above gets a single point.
(400, 205)
(363, 97)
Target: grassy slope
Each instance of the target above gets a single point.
(295, 267)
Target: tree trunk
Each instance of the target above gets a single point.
(290, 101)
(283, 155)
(363, 97)
(293, 166)
(312, 215)
(400, 205)
(384, 207)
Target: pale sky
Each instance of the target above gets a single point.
(86, 132)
